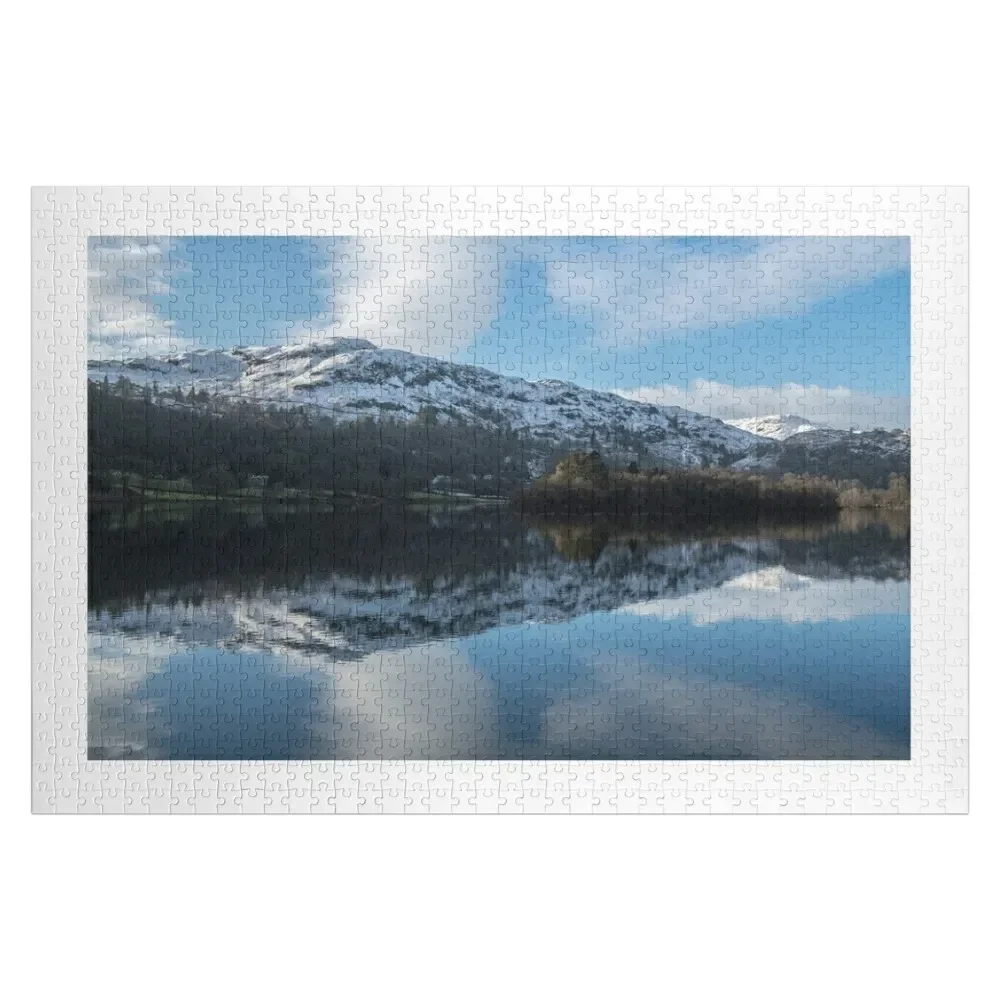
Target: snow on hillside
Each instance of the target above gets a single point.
(352, 379)
(776, 427)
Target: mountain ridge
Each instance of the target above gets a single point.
(351, 379)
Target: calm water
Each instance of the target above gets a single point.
(216, 633)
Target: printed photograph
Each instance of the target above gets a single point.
(516, 498)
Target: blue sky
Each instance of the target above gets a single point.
(818, 327)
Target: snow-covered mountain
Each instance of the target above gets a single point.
(350, 379)
(776, 427)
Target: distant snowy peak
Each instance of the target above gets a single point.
(776, 427)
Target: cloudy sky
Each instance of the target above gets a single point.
(817, 327)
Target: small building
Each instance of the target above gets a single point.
(257, 482)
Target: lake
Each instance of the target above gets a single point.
(448, 633)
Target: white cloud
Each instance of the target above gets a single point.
(428, 296)
(683, 289)
(839, 406)
(123, 277)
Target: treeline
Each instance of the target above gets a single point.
(870, 458)
(583, 486)
(135, 436)
(142, 443)
(853, 495)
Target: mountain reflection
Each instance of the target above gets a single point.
(218, 633)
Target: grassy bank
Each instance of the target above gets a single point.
(130, 490)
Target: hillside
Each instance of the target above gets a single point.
(343, 381)
(352, 379)
(871, 457)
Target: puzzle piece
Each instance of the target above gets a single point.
(562, 500)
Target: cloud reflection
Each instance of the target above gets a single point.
(778, 593)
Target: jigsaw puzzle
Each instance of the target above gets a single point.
(528, 500)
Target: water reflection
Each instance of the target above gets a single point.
(220, 634)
